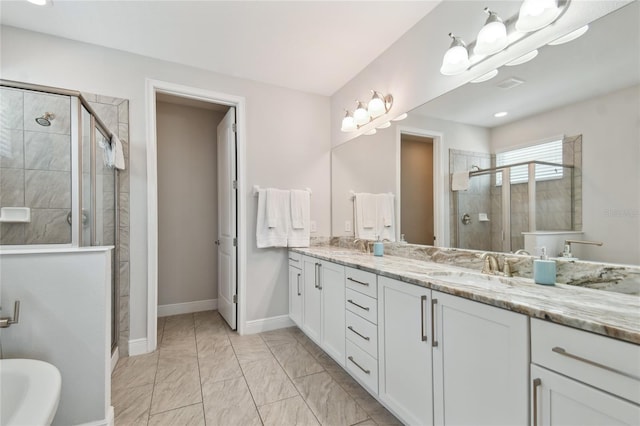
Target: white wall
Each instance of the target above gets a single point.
(64, 320)
(610, 129)
(410, 68)
(288, 142)
(369, 164)
(187, 203)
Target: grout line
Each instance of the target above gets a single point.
(195, 336)
(174, 409)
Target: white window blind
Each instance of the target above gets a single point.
(550, 152)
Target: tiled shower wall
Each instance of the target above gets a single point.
(114, 113)
(35, 166)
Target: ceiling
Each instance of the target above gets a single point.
(315, 47)
(603, 60)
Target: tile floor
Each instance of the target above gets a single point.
(205, 374)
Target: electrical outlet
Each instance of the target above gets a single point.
(347, 226)
(313, 226)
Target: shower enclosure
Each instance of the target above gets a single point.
(55, 186)
(504, 203)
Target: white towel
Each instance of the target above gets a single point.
(117, 153)
(299, 234)
(273, 236)
(274, 201)
(365, 216)
(385, 220)
(460, 181)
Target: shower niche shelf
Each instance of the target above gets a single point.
(15, 215)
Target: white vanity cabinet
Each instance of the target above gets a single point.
(480, 363)
(324, 305)
(404, 350)
(296, 288)
(580, 378)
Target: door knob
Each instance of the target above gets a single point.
(217, 242)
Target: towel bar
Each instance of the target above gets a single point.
(256, 189)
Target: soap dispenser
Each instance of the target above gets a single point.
(544, 270)
(378, 247)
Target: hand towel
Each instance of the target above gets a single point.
(117, 158)
(275, 200)
(364, 205)
(386, 217)
(299, 234)
(460, 181)
(277, 235)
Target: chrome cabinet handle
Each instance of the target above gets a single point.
(536, 384)
(315, 284)
(319, 276)
(434, 342)
(423, 301)
(359, 306)
(359, 366)
(294, 260)
(561, 351)
(357, 282)
(299, 294)
(364, 337)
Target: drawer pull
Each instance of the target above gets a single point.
(423, 301)
(357, 282)
(536, 383)
(294, 260)
(434, 342)
(561, 351)
(299, 294)
(364, 337)
(359, 306)
(359, 366)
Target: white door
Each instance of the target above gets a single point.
(295, 295)
(227, 231)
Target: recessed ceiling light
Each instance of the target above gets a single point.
(40, 2)
(570, 37)
(524, 58)
(487, 76)
(500, 114)
(385, 125)
(371, 132)
(400, 117)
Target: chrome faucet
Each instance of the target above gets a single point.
(522, 251)
(567, 246)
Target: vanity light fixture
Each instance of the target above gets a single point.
(400, 117)
(537, 14)
(569, 37)
(456, 60)
(364, 113)
(500, 114)
(492, 38)
(361, 115)
(348, 123)
(371, 132)
(379, 104)
(485, 77)
(524, 58)
(384, 125)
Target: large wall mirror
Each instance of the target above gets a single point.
(579, 101)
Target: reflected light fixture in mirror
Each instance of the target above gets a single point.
(537, 14)
(361, 115)
(486, 77)
(456, 60)
(523, 59)
(492, 38)
(348, 123)
(376, 106)
(569, 37)
(400, 117)
(384, 125)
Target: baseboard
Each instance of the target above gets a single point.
(267, 324)
(109, 421)
(115, 356)
(187, 307)
(138, 346)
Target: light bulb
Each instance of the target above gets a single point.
(492, 38)
(376, 105)
(348, 123)
(537, 14)
(361, 115)
(456, 59)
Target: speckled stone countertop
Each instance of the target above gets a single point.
(607, 313)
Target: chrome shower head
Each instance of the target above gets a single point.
(46, 119)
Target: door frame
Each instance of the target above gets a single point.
(151, 88)
(439, 167)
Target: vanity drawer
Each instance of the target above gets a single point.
(362, 333)
(295, 259)
(362, 281)
(363, 305)
(603, 362)
(362, 366)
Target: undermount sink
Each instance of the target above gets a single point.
(466, 277)
(30, 392)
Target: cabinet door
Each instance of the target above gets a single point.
(559, 401)
(311, 295)
(295, 295)
(333, 310)
(480, 364)
(404, 358)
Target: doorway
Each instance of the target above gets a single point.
(188, 184)
(417, 212)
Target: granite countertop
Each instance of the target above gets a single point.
(606, 313)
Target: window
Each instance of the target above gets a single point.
(551, 152)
